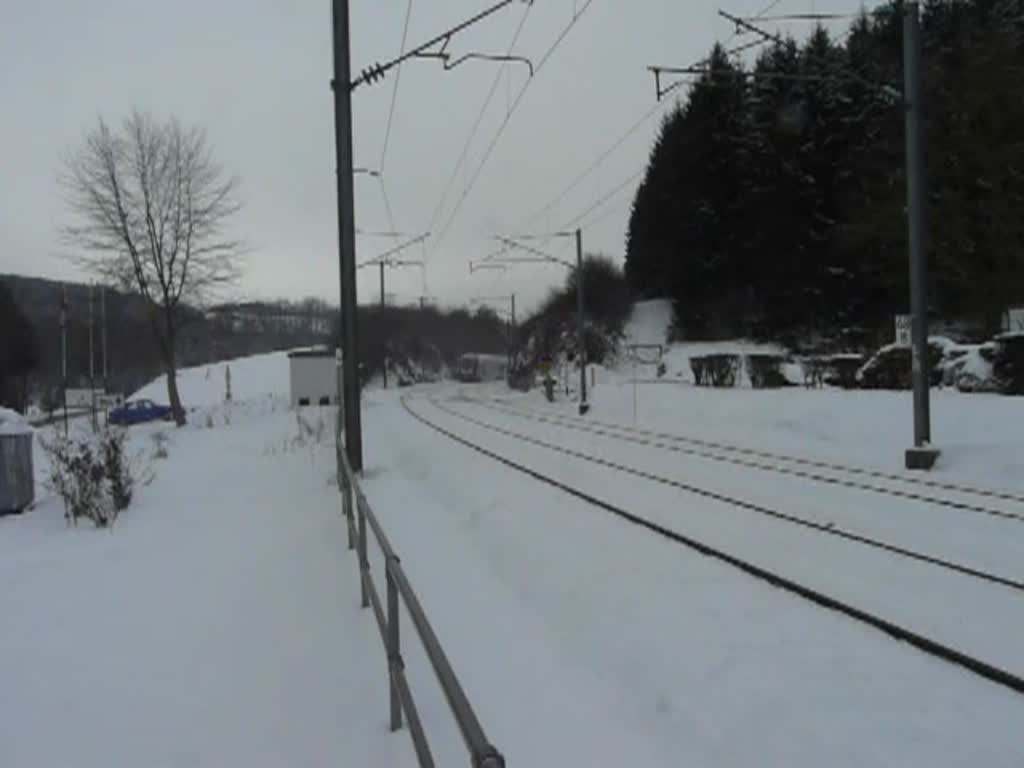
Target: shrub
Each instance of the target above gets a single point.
(1008, 365)
(93, 475)
(715, 370)
(765, 371)
(116, 469)
(890, 368)
(841, 370)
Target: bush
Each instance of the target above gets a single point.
(765, 371)
(116, 469)
(841, 370)
(1008, 365)
(890, 368)
(93, 476)
(715, 370)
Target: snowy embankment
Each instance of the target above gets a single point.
(650, 324)
(217, 623)
(979, 434)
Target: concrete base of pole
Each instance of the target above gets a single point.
(921, 457)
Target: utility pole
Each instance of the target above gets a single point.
(383, 301)
(383, 262)
(540, 257)
(64, 354)
(103, 336)
(92, 363)
(341, 84)
(922, 455)
(584, 406)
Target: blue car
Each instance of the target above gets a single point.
(139, 412)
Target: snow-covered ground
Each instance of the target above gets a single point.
(628, 649)
(217, 623)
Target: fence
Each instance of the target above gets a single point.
(359, 518)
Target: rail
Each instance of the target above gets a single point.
(359, 518)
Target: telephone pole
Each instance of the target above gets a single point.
(103, 337)
(922, 455)
(540, 257)
(341, 84)
(92, 363)
(384, 367)
(64, 354)
(582, 343)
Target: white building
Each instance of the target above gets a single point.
(313, 377)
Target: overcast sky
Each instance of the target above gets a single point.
(256, 74)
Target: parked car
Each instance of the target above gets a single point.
(139, 412)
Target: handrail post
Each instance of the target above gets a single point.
(364, 562)
(346, 505)
(394, 649)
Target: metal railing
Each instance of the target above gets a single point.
(359, 518)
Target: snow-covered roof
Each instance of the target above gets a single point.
(13, 423)
(312, 352)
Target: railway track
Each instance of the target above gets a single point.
(828, 529)
(830, 473)
(923, 643)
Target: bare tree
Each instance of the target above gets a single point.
(151, 207)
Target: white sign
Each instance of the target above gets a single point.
(82, 398)
(904, 324)
(1015, 319)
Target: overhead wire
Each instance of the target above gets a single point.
(578, 179)
(394, 90)
(476, 123)
(501, 128)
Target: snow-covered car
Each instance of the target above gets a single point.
(139, 412)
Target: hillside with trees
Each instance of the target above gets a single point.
(773, 202)
(220, 332)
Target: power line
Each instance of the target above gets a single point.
(639, 123)
(377, 71)
(501, 129)
(387, 203)
(606, 197)
(597, 161)
(394, 91)
(476, 124)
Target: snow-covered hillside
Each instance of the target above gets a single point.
(204, 385)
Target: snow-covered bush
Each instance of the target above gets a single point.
(93, 475)
(1008, 365)
(116, 469)
(890, 367)
(765, 371)
(717, 370)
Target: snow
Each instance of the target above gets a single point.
(650, 322)
(630, 650)
(204, 386)
(217, 624)
(13, 423)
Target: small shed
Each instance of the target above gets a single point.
(313, 377)
(17, 480)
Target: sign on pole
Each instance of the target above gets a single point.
(903, 328)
